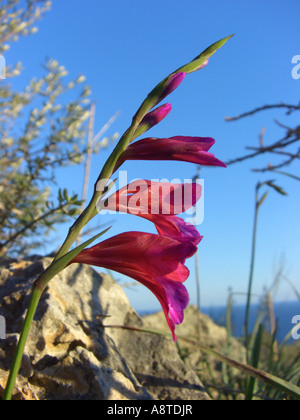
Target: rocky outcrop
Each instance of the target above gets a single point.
(70, 355)
(200, 327)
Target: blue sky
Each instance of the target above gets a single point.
(124, 48)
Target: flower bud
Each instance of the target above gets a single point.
(156, 116)
(152, 118)
(171, 85)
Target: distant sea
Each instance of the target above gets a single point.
(283, 312)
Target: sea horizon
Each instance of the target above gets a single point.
(284, 312)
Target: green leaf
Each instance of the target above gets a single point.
(60, 197)
(297, 178)
(276, 187)
(278, 383)
(72, 254)
(256, 352)
(58, 265)
(263, 198)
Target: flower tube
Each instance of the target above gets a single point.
(160, 203)
(155, 261)
(179, 148)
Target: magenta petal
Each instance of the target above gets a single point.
(153, 260)
(186, 149)
(202, 143)
(174, 299)
(178, 300)
(172, 84)
(137, 251)
(174, 227)
(156, 116)
(159, 203)
(144, 197)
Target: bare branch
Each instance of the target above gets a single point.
(290, 109)
(286, 141)
(283, 164)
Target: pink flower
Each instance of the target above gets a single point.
(160, 203)
(179, 148)
(153, 260)
(152, 197)
(174, 227)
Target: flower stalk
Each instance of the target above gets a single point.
(170, 291)
(16, 363)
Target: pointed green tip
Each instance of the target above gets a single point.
(201, 60)
(216, 46)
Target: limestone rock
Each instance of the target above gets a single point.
(70, 356)
(200, 327)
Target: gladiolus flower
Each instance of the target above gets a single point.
(179, 148)
(160, 203)
(152, 197)
(153, 260)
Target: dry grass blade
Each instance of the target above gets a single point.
(278, 383)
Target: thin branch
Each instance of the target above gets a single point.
(297, 178)
(275, 152)
(290, 109)
(279, 144)
(92, 140)
(32, 223)
(89, 154)
(279, 166)
(106, 127)
(269, 379)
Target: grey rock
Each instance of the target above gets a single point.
(200, 328)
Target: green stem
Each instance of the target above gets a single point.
(80, 223)
(35, 298)
(250, 285)
(254, 363)
(110, 165)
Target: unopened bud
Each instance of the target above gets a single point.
(171, 85)
(152, 118)
(156, 116)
